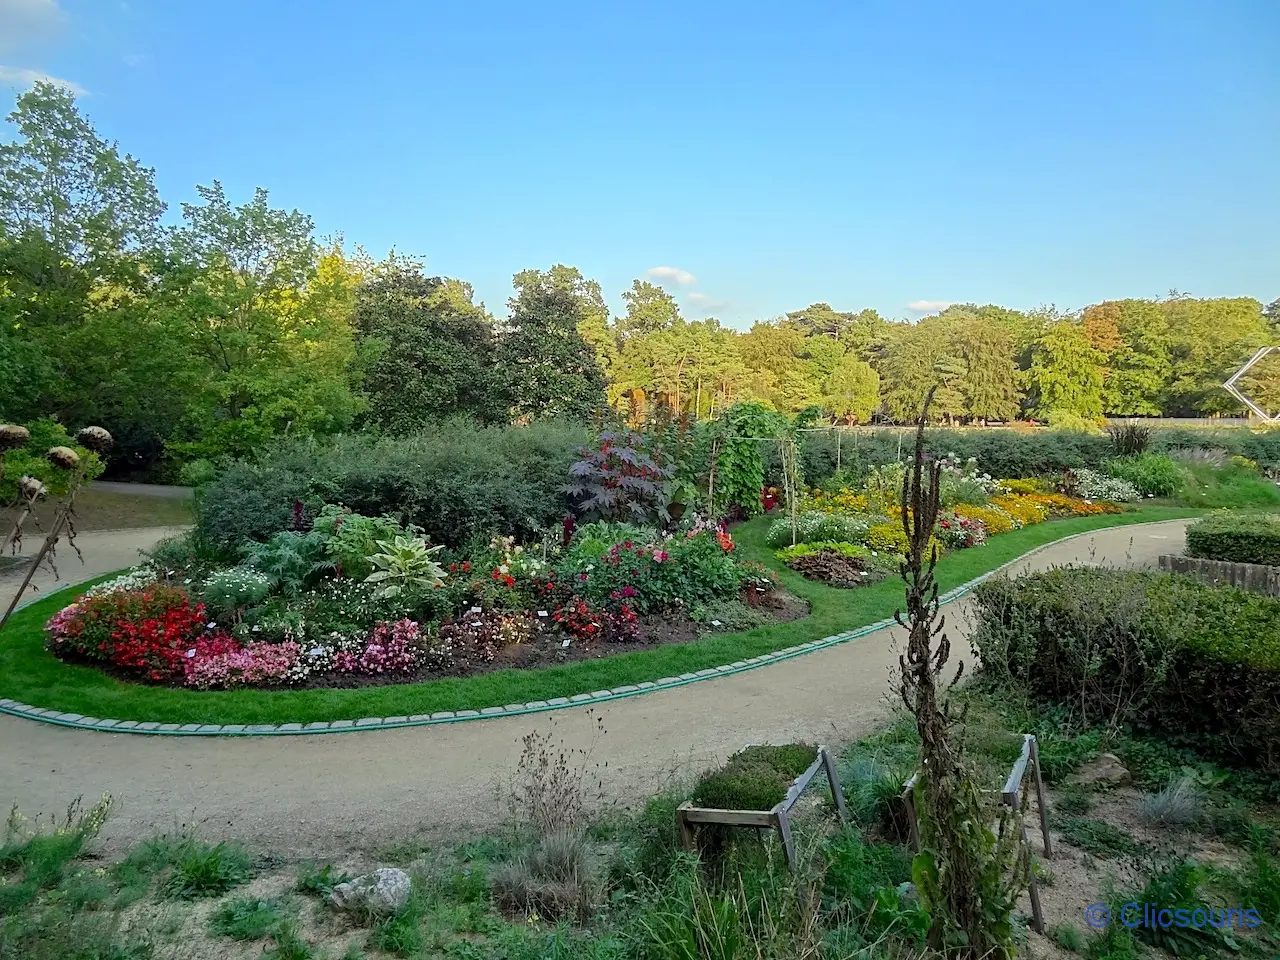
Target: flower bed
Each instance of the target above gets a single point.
(843, 536)
(291, 614)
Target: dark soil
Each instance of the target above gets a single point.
(835, 569)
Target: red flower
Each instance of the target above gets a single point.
(466, 566)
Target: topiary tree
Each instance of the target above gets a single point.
(969, 875)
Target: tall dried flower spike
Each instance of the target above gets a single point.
(96, 439)
(13, 436)
(63, 457)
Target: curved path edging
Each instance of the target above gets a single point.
(81, 722)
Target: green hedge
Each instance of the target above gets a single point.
(1238, 538)
(1193, 662)
(456, 482)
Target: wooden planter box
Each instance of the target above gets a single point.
(779, 818)
(1254, 577)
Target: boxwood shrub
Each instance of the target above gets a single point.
(1196, 663)
(1238, 538)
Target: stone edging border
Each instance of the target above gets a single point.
(80, 722)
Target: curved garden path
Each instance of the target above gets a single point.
(320, 795)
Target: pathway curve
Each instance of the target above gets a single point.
(317, 796)
(104, 551)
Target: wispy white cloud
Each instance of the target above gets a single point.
(29, 21)
(704, 305)
(26, 78)
(928, 306)
(681, 278)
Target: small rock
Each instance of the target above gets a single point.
(1106, 771)
(382, 892)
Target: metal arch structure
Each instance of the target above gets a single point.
(1231, 388)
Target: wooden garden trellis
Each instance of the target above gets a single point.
(778, 819)
(1011, 796)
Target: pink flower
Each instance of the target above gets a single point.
(660, 555)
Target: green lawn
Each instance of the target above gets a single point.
(30, 675)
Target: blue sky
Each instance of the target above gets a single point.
(865, 153)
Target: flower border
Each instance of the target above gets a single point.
(80, 722)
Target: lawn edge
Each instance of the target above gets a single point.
(77, 721)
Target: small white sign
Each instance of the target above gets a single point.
(565, 643)
(542, 613)
(715, 623)
(476, 610)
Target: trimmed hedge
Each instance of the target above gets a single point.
(1237, 538)
(1198, 664)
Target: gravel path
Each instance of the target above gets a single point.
(103, 552)
(321, 796)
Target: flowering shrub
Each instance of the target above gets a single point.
(839, 501)
(993, 519)
(1025, 509)
(578, 619)
(228, 592)
(392, 648)
(147, 630)
(681, 571)
(1061, 505)
(1092, 485)
(138, 578)
(1027, 485)
(956, 532)
(814, 525)
(219, 662)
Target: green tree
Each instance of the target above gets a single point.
(1065, 375)
(61, 181)
(851, 392)
(547, 365)
(649, 309)
(433, 351)
(1208, 340)
(236, 287)
(988, 381)
(1137, 366)
(916, 358)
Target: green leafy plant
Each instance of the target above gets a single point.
(320, 880)
(229, 592)
(208, 870)
(352, 539)
(1154, 474)
(1175, 886)
(294, 561)
(246, 919)
(405, 565)
(1068, 937)
(739, 462)
(756, 778)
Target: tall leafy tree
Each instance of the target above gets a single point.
(433, 351)
(61, 181)
(1134, 337)
(1208, 340)
(851, 392)
(988, 379)
(543, 358)
(916, 358)
(1065, 375)
(236, 280)
(649, 309)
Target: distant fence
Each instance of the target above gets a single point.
(1254, 577)
(1189, 423)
